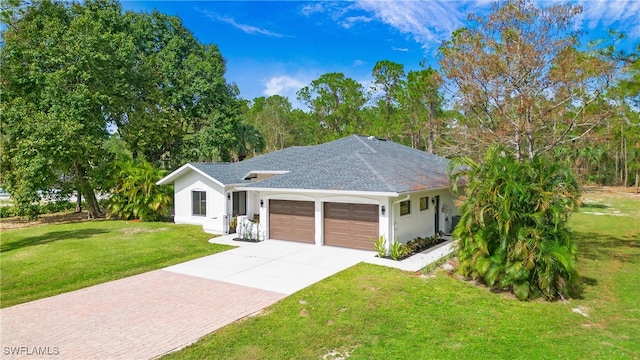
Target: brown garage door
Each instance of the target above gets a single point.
(350, 225)
(292, 220)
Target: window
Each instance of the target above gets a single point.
(199, 203)
(405, 207)
(424, 203)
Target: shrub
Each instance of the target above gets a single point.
(135, 194)
(34, 210)
(58, 206)
(6, 211)
(380, 245)
(233, 224)
(408, 249)
(512, 232)
(397, 250)
(30, 211)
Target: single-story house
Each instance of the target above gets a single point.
(346, 192)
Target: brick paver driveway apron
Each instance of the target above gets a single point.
(147, 315)
(139, 317)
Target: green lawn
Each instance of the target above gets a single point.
(43, 261)
(372, 312)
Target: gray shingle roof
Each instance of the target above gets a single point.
(353, 163)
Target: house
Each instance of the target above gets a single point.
(346, 193)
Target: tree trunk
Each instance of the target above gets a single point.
(626, 163)
(637, 179)
(622, 153)
(85, 189)
(413, 137)
(92, 205)
(431, 135)
(79, 202)
(517, 145)
(615, 173)
(529, 131)
(430, 140)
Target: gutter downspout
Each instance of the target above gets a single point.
(393, 221)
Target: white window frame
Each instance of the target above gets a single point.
(201, 202)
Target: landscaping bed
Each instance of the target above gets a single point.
(246, 240)
(400, 251)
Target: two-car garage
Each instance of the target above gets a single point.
(344, 224)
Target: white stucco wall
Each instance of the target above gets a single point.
(253, 203)
(422, 223)
(193, 181)
(319, 199)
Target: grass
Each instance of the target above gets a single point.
(598, 206)
(372, 312)
(43, 261)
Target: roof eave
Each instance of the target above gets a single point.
(322, 191)
(181, 171)
(427, 189)
(270, 172)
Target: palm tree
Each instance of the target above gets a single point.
(249, 140)
(136, 195)
(512, 232)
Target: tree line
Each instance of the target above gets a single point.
(85, 85)
(520, 78)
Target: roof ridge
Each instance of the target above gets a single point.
(365, 144)
(375, 172)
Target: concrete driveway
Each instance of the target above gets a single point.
(147, 315)
(278, 266)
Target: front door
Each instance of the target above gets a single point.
(239, 203)
(437, 214)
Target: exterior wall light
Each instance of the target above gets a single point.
(261, 203)
(382, 209)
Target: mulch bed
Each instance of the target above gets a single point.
(246, 240)
(417, 250)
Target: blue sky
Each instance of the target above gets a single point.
(277, 47)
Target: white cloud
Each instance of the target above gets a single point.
(358, 62)
(312, 9)
(399, 49)
(350, 21)
(249, 29)
(282, 85)
(624, 13)
(429, 22)
(608, 12)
